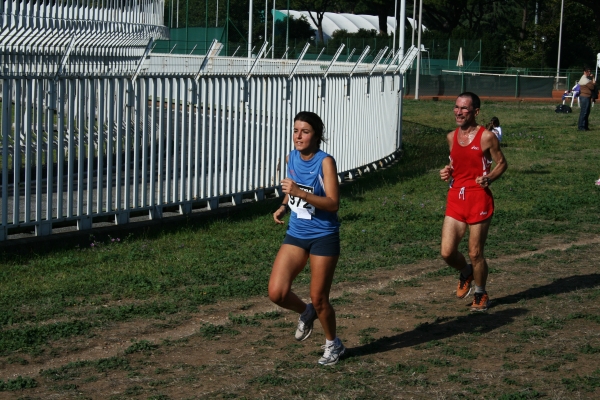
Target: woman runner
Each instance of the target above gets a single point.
(312, 193)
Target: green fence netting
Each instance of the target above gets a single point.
(483, 85)
(440, 75)
(190, 40)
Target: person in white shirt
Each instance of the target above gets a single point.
(494, 126)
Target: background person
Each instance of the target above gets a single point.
(312, 193)
(574, 91)
(494, 126)
(587, 84)
(470, 203)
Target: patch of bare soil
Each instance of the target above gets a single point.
(407, 335)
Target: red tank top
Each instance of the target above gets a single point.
(468, 162)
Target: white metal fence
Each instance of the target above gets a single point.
(81, 142)
(75, 149)
(95, 37)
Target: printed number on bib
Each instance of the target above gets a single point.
(302, 209)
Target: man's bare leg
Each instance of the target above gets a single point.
(452, 233)
(477, 236)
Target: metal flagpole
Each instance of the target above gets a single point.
(187, 35)
(419, 53)
(395, 26)
(413, 24)
(227, 29)
(401, 30)
(562, 4)
(206, 28)
(250, 30)
(171, 24)
(273, 35)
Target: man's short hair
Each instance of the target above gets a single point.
(475, 101)
(586, 68)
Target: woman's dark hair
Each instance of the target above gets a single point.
(495, 122)
(315, 121)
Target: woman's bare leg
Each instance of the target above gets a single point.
(321, 270)
(290, 261)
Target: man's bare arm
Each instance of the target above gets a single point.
(446, 172)
(490, 143)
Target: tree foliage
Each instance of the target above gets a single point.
(512, 30)
(507, 28)
(299, 29)
(317, 10)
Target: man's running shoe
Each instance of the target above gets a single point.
(597, 182)
(481, 302)
(305, 323)
(332, 353)
(464, 286)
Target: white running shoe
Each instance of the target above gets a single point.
(305, 323)
(597, 182)
(332, 353)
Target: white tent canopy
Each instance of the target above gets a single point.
(349, 22)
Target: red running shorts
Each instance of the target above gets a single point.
(469, 206)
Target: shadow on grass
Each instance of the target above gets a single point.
(562, 285)
(441, 329)
(480, 323)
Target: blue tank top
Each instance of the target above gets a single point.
(306, 221)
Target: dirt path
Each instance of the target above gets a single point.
(112, 341)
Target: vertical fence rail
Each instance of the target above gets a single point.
(16, 164)
(6, 118)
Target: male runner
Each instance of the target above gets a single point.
(470, 202)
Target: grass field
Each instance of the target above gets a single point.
(181, 311)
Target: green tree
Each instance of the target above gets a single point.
(594, 6)
(580, 41)
(444, 15)
(317, 10)
(510, 33)
(299, 29)
(501, 24)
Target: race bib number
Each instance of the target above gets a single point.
(302, 209)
